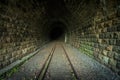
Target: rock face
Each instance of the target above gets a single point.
(93, 26)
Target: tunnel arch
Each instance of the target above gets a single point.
(51, 21)
(47, 26)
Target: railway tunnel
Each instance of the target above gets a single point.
(86, 32)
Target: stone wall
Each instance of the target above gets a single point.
(100, 38)
(19, 36)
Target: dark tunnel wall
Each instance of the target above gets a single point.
(20, 33)
(97, 33)
(92, 26)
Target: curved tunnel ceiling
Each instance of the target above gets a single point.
(42, 13)
(69, 11)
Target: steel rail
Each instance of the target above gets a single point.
(73, 69)
(46, 65)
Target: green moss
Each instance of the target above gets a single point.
(9, 73)
(13, 70)
(87, 48)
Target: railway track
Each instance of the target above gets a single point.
(46, 64)
(55, 62)
(73, 69)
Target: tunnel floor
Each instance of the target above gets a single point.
(60, 61)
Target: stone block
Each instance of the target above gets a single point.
(116, 22)
(109, 35)
(99, 40)
(105, 60)
(102, 46)
(7, 56)
(118, 28)
(105, 41)
(111, 29)
(118, 65)
(118, 11)
(100, 56)
(110, 54)
(9, 50)
(24, 51)
(1, 58)
(14, 54)
(109, 48)
(19, 52)
(1, 66)
(112, 62)
(11, 60)
(95, 54)
(105, 52)
(112, 42)
(116, 35)
(3, 51)
(117, 56)
(116, 49)
(106, 25)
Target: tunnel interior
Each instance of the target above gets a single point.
(57, 31)
(91, 26)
